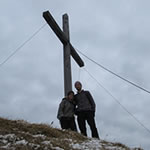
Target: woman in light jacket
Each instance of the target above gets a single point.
(66, 112)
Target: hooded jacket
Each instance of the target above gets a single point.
(66, 109)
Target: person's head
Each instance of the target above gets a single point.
(78, 85)
(70, 95)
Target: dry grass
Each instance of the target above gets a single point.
(26, 131)
(40, 137)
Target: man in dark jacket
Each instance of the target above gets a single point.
(66, 112)
(85, 110)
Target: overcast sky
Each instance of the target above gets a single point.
(114, 33)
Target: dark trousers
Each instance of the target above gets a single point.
(89, 117)
(68, 123)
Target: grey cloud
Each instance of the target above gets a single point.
(114, 33)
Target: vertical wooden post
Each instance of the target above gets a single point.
(67, 47)
(67, 60)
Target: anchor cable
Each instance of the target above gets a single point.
(117, 101)
(108, 70)
(23, 44)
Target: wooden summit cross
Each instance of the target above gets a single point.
(68, 49)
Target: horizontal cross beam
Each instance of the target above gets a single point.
(53, 24)
(62, 37)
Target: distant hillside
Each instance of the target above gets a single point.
(20, 135)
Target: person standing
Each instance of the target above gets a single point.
(66, 112)
(85, 110)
